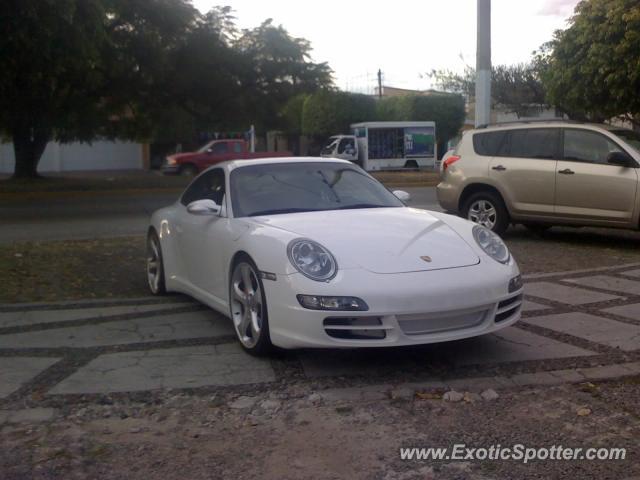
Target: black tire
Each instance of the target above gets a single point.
(410, 164)
(537, 228)
(263, 345)
(155, 275)
(500, 222)
(188, 171)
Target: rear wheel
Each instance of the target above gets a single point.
(487, 209)
(411, 164)
(248, 307)
(155, 266)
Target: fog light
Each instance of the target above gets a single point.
(316, 302)
(515, 284)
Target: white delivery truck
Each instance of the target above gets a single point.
(386, 145)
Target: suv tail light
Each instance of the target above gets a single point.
(449, 161)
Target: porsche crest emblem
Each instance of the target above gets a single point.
(426, 258)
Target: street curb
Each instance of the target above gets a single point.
(62, 194)
(479, 384)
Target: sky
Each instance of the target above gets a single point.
(403, 38)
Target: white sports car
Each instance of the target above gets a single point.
(309, 252)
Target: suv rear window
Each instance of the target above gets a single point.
(488, 143)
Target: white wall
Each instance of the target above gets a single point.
(100, 155)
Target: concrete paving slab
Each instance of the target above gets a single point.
(16, 371)
(629, 311)
(209, 365)
(606, 282)
(529, 306)
(178, 326)
(632, 273)
(564, 294)
(509, 345)
(590, 327)
(33, 317)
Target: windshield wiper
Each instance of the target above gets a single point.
(280, 211)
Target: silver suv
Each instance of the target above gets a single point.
(544, 173)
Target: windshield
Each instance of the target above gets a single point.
(629, 136)
(330, 147)
(205, 147)
(305, 187)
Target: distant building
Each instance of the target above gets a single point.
(388, 91)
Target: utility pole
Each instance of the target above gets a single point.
(483, 64)
(379, 83)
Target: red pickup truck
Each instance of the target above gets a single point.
(216, 151)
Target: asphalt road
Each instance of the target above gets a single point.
(107, 215)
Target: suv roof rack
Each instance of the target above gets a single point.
(535, 120)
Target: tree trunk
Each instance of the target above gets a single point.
(28, 147)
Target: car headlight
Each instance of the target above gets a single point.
(312, 260)
(491, 244)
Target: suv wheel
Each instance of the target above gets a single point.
(487, 209)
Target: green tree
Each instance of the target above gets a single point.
(591, 70)
(72, 69)
(329, 112)
(277, 68)
(516, 87)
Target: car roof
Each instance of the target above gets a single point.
(233, 164)
(543, 124)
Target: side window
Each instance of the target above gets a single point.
(534, 143)
(237, 147)
(220, 148)
(587, 146)
(209, 185)
(488, 143)
(346, 146)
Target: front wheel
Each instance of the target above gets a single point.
(155, 266)
(248, 307)
(487, 209)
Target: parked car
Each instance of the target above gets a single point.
(544, 173)
(191, 163)
(312, 252)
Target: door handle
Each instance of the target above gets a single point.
(566, 171)
(500, 168)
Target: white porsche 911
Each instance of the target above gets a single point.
(309, 252)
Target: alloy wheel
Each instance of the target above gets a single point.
(483, 213)
(246, 304)
(154, 265)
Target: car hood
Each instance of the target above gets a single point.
(381, 240)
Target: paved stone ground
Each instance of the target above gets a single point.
(575, 325)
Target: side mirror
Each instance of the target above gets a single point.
(204, 207)
(621, 159)
(402, 195)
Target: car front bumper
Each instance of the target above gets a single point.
(404, 309)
